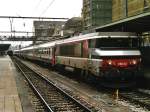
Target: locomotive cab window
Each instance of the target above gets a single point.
(116, 43)
(98, 46)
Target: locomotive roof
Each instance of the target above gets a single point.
(99, 35)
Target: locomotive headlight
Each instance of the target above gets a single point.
(109, 62)
(134, 61)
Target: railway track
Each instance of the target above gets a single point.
(53, 98)
(137, 97)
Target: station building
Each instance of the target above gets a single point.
(126, 8)
(100, 12)
(47, 29)
(96, 13)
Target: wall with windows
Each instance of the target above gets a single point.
(96, 13)
(126, 8)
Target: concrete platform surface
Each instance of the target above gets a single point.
(9, 98)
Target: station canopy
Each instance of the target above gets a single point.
(139, 23)
(4, 47)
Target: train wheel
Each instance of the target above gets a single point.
(82, 74)
(86, 76)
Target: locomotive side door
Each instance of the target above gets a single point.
(87, 54)
(93, 62)
(85, 49)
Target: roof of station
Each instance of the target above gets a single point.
(139, 23)
(4, 47)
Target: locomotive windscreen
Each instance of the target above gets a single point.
(116, 43)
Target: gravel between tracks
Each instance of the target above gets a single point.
(92, 96)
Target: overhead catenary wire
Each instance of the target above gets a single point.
(49, 5)
(36, 7)
(38, 4)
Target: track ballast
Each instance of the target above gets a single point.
(54, 98)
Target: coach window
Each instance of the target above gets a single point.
(146, 41)
(78, 49)
(47, 51)
(38, 51)
(44, 51)
(50, 51)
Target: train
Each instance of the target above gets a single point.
(111, 58)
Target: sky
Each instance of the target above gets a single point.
(37, 8)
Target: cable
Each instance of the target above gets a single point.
(38, 5)
(47, 7)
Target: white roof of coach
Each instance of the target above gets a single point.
(49, 44)
(23, 49)
(99, 35)
(27, 48)
(44, 45)
(16, 50)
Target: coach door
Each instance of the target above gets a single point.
(52, 50)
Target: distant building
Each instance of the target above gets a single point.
(126, 8)
(73, 26)
(47, 29)
(96, 13)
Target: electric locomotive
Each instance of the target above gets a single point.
(112, 58)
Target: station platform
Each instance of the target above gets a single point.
(9, 98)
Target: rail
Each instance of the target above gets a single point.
(53, 97)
